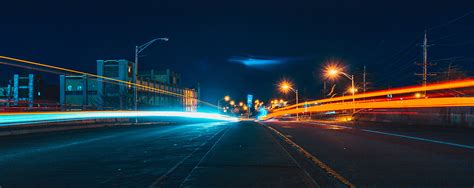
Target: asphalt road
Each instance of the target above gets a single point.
(235, 154)
(395, 156)
(111, 157)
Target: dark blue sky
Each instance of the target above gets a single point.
(206, 35)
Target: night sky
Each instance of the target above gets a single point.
(244, 47)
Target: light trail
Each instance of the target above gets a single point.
(413, 103)
(8, 119)
(87, 74)
(438, 86)
(101, 77)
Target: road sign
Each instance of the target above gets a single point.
(249, 101)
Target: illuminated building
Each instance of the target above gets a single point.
(158, 90)
(166, 76)
(27, 92)
(78, 92)
(6, 95)
(113, 95)
(25, 89)
(186, 98)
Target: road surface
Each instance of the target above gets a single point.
(239, 154)
(388, 156)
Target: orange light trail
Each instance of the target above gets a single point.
(414, 103)
(438, 86)
(100, 77)
(87, 74)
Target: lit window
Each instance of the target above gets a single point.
(79, 88)
(69, 87)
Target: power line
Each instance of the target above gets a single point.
(451, 21)
(458, 44)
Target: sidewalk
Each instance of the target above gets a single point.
(247, 155)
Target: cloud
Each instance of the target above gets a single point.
(256, 61)
(266, 61)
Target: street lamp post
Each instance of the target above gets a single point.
(226, 98)
(285, 86)
(333, 72)
(138, 50)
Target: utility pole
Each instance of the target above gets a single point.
(425, 64)
(449, 71)
(135, 80)
(324, 89)
(365, 84)
(425, 61)
(297, 116)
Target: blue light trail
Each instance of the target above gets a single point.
(9, 119)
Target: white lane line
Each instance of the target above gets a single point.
(403, 136)
(205, 155)
(161, 178)
(421, 139)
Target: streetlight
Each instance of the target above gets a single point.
(352, 90)
(417, 95)
(334, 71)
(232, 103)
(226, 98)
(286, 86)
(241, 104)
(138, 50)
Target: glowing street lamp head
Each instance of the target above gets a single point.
(332, 71)
(417, 95)
(245, 108)
(241, 104)
(352, 90)
(227, 98)
(285, 86)
(232, 103)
